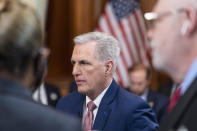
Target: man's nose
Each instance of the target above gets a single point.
(76, 70)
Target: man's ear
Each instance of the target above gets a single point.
(190, 23)
(109, 67)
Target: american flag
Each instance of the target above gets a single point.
(123, 19)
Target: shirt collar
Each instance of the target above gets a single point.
(98, 99)
(190, 76)
(145, 94)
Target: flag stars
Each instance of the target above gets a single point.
(123, 8)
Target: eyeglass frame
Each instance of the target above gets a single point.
(153, 16)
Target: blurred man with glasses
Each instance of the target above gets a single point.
(173, 35)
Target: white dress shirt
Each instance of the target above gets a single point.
(96, 101)
(190, 76)
(144, 96)
(40, 95)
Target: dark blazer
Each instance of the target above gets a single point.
(166, 89)
(53, 94)
(184, 114)
(159, 104)
(18, 112)
(119, 110)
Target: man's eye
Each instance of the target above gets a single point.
(73, 62)
(84, 63)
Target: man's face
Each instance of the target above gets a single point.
(88, 72)
(138, 81)
(165, 36)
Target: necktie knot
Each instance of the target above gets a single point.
(91, 106)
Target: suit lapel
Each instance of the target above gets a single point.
(105, 107)
(101, 118)
(174, 117)
(79, 106)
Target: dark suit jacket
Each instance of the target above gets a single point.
(53, 94)
(184, 114)
(18, 112)
(119, 110)
(159, 104)
(166, 89)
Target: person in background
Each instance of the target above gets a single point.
(21, 50)
(173, 37)
(139, 76)
(46, 93)
(99, 102)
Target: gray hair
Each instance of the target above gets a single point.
(20, 36)
(107, 47)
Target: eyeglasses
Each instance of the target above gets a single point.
(153, 17)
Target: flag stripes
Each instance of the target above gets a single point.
(130, 31)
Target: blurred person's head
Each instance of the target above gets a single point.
(20, 41)
(94, 62)
(139, 76)
(173, 36)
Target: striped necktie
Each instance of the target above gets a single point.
(89, 116)
(174, 99)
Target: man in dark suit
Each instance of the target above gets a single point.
(175, 52)
(100, 102)
(139, 76)
(20, 59)
(47, 94)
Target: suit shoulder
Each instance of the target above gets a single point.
(71, 103)
(130, 101)
(137, 110)
(74, 96)
(26, 113)
(57, 119)
(128, 96)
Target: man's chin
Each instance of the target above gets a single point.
(82, 90)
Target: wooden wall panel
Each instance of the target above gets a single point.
(147, 5)
(82, 11)
(57, 39)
